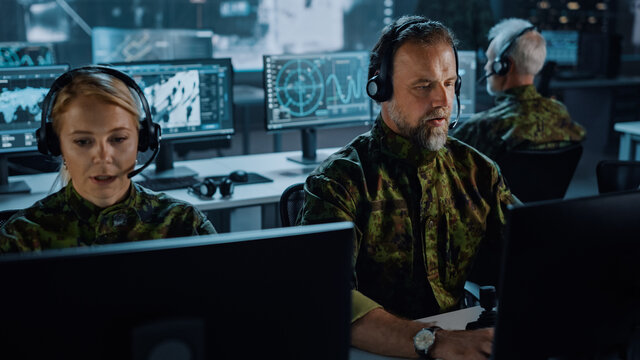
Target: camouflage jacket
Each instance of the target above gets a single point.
(521, 118)
(420, 217)
(65, 219)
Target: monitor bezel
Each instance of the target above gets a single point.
(107, 331)
(533, 311)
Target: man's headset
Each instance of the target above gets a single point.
(380, 86)
(501, 64)
(149, 133)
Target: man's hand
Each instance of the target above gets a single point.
(382, 333)
(462, 344)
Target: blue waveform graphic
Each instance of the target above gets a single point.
(355, 88)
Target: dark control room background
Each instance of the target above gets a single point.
(79, 32)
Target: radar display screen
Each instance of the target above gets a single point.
(316, 90)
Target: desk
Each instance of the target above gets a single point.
(273, 165)
(454, 320)
(629, 140)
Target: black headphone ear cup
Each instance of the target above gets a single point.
(375, 88)
(458, 85)
(226, 187)
(206, 188)
(53, 143)
(143, 137)
(148, 138)
(155, 134)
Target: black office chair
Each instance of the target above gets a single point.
(5, 215)
(291, 202)
(535, 175)
(615, 175)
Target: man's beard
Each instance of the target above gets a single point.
(432, 138)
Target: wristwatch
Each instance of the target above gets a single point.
(423, 341)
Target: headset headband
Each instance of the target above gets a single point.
(513, 40)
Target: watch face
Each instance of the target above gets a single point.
(423, 340)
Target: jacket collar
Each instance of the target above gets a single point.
(519, 93)
(88, 211)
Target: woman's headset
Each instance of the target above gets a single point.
(149, 134)
(380, 86)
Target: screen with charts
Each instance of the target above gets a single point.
(316, 90)
(191, 100)
(562, 46)
(22, 91)
(14, 54)
(112, 45)
(187, 98)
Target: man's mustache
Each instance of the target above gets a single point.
(436, 114)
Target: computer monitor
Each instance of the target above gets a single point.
(22, 90)
(112, 45)
(13, 54)
(562, 47)
(273, 294)
(305, 92)
(190, 99)
(570, 286)
(467, 65)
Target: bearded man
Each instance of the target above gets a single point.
(423, 203)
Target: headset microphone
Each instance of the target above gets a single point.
(486, 76)
(144, 166)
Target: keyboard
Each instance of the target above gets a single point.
(168, 183)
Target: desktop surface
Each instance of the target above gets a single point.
(570, 282)
(228, 296)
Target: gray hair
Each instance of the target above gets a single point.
(529, 51)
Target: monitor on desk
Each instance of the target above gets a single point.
(467, 65)
(22, 90)
(562, 47)
(192, 100)
(274, 294)
(305, 92)
(570, 286)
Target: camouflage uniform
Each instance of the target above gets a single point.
(420, 217)
(65, 219)
(521, 118)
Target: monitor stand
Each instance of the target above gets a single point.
(7, 187)
(309, 146)
(164, 166)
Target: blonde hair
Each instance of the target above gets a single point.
(100, 86)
